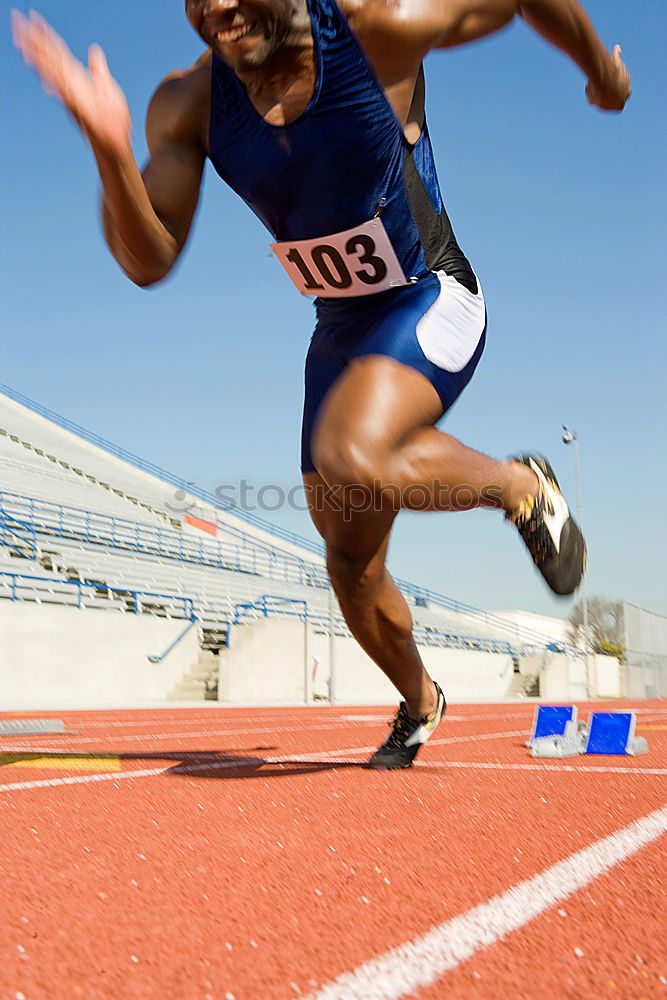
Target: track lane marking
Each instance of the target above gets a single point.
(79, 740)
(422, 961)
(316, 756)
(345, 756)
(198, 734)
(204, 720)
(499, 766)
(47, 761)
(333, 724)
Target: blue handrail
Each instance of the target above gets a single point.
(6, 526)
(136, 596)
(268, 605)
(172, 645)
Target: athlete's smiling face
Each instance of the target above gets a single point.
(245, 33)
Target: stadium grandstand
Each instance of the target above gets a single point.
(88, 527)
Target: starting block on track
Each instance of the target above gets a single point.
(29, 727)
(551, 720)
(557, 733)
(614, 733)
(570, 743)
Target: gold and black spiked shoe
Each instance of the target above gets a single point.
(551, 534)
(407, 736)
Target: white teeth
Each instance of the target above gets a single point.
(234, 34)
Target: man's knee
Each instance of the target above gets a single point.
(346, 463)
(358, 475)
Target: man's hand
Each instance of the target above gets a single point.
(612, 91)
(91, 95)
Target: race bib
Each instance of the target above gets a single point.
(359, 261)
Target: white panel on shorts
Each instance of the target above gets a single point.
(451, 329)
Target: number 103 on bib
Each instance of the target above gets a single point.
(359, 261)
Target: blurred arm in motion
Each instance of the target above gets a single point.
(146, 218)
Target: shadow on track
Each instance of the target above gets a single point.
(192, 763)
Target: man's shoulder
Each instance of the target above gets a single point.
(186, 88)
(409, 28)
(180, 104)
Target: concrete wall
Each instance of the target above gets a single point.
(271, 662)
(266, 664)
(464, 675)
(56, 657)
(606, 677)
(59, 657)
(564, 678)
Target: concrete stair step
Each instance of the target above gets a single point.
(523, 685)
(200, 672)
(188, 691)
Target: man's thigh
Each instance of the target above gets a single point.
(374, 406)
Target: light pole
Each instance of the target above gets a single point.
(570, 437)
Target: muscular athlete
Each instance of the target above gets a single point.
(313, 111)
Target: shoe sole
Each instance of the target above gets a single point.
(571, 535)
(389, 767)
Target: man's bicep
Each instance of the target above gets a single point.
(172, 178)
(173, 174)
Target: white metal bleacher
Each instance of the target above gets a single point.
(95, 517)
(35, 475)
(85, 461)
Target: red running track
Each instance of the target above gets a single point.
(216, 853)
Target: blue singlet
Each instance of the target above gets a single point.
(340, 163)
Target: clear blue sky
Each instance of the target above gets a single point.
(560, 208)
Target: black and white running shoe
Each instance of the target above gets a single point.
(407, 736)
(551, 534)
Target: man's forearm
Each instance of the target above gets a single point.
(136, 237)
(566, 25)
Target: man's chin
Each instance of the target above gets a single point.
(248, 53)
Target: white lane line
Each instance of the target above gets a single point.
(348, 755)
(299, 726)
(419, 963)
(215, 718)
(338, 714)
(302, 725)
(605, 769)
(463, 765)
(199, 734)
(64, 744)
(85, 779)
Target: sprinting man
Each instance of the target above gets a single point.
(313, 111)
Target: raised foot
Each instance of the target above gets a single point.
(551, 534)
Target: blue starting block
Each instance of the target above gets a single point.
(613, 733)
(551, 720)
